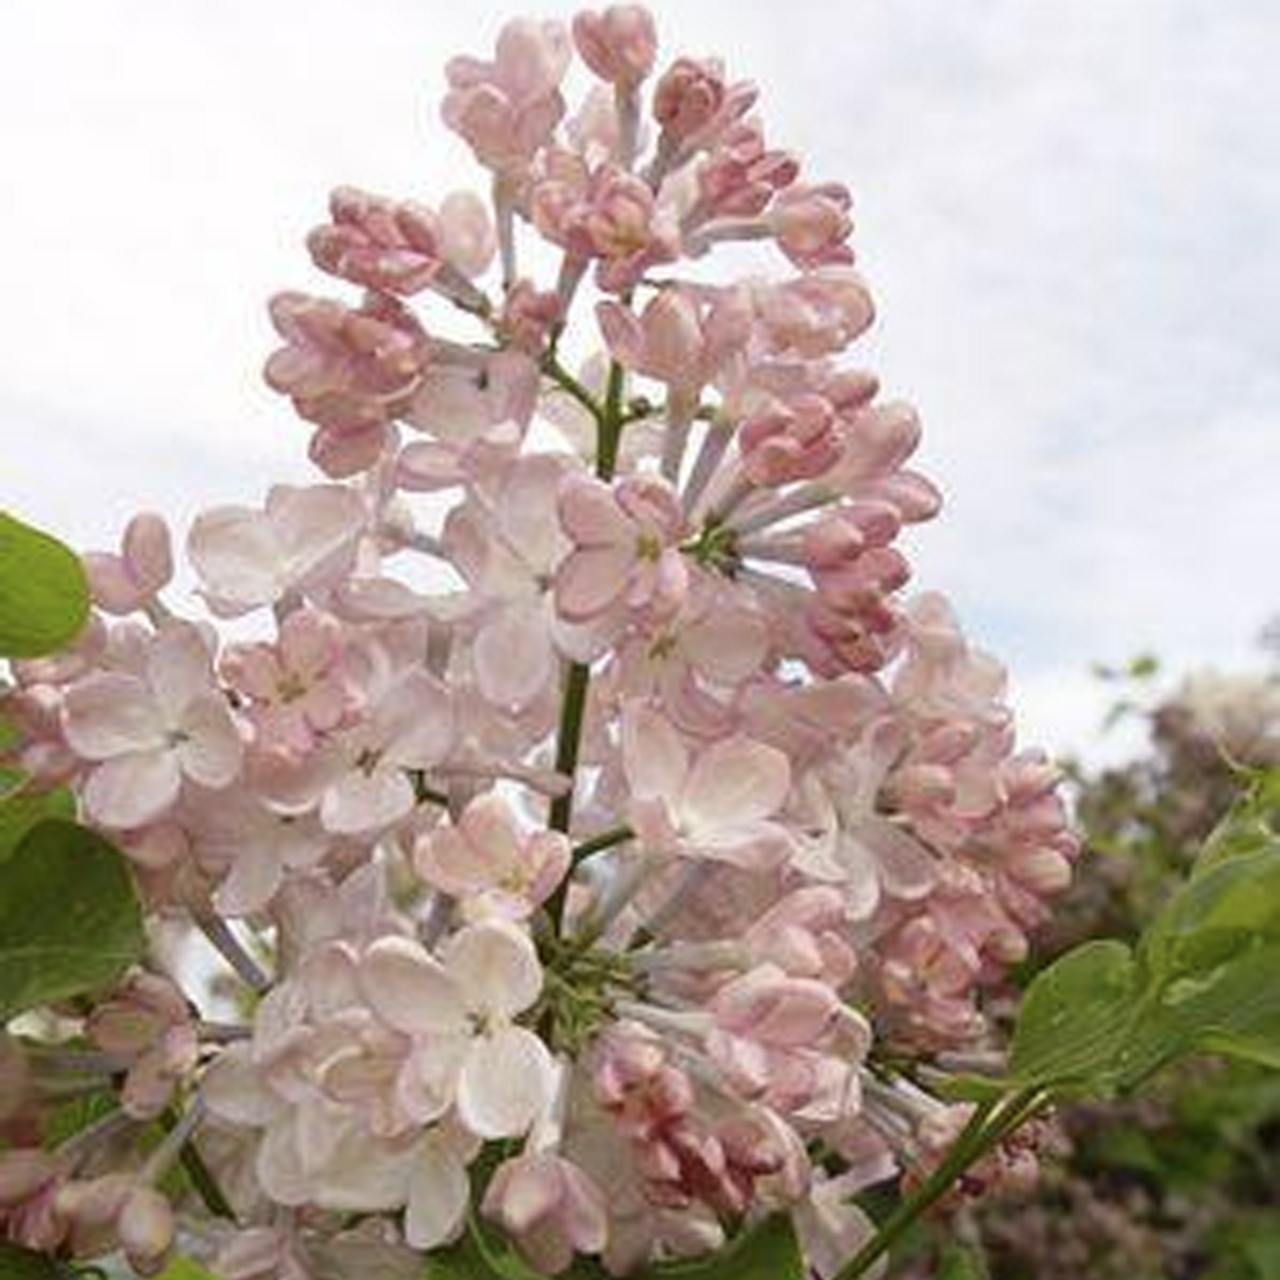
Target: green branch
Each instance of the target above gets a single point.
(989, 1125)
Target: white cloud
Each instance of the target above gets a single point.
(1069, 213)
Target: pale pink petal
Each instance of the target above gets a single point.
(132, 790)
(728, 644)
(513, 656)
(213, 750)
(466, 232)
(653, 754)
(491, 829)
(756, 846)
(735, 782)
(251, 882)
(178, 669)
(278, 1167)
(905, 867)
(235, 552)
(425, 1085)
(148, 552)
(350, 1169)
(111, 583)
(317, 528)
(622, 333)
(589, 581)
(859, 878)
(360, 804)
(410, 990)
(496, 966)
(439, 1192)
(108, 713)
(445, 859)
(310, 642)
(590, 514)
(506, 1084)
(233, 1088)
(414, 721)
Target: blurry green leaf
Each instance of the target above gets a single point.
(1143, 666)
(69, 916)
(1074, 1018)
(44, 597)
(1249, 826)
(767, 1251)
(1205, 977)
(67, 1119)
(21, 1264)
(1225, 908)
(1233, 1010)
(19, 813)
(962, 1262)
(185, 1269)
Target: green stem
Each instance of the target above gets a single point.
(605, 840)
(569, 739)
(567, 383)
(573, 707)
(611, 420)
(990, 1123)
(205, 1184)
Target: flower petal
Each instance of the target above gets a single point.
(360, 804)
(251, 883)
(507, 1082)
(133, 789)
(234, 1089)
(409, 989)
(213, 750)
(108, 714)
(235, 552)
(414, 721)
(589, 581)
(653, 754)
(179, 669)
(734, 782)
(513, 657)
(439, 1191)
(495, 966)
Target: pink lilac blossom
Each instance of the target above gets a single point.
(580, 801)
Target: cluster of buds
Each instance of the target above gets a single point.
(567, 779)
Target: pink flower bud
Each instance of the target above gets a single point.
(812, 224)
(687, 97)
(379, 243)
(619, 44)
(508, 108)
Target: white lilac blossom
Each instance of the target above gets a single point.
(587, 812)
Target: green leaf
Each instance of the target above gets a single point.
(44, 597)
(1249, 825)
(1074, 1018)
(19, 813)
(22, 1264)
(185, 1269)
(767, 1251)
(1205, 977)
(1232, 1010)
(962, 1262)
(69, 916)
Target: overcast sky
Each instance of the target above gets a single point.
(1069, 213)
